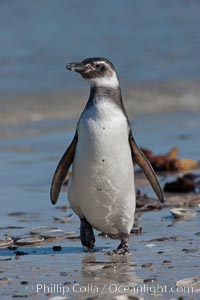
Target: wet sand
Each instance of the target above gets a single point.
(165, 252)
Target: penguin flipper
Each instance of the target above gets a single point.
(62, 170)
(141, 160)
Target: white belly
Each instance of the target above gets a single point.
(102, 185)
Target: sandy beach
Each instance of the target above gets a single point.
(165, 252)
(154, 46)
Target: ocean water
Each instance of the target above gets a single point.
(154, 45)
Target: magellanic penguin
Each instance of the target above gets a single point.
(101, 189)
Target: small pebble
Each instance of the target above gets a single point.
(148, 265)
(57, 248)
(63, 273)
(23, 282)
(166, 262)
(67, 283)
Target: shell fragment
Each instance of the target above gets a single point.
(39, 230)
(53, 234)
(4, 243)
(29, 241)
(183, 212)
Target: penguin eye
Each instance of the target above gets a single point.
(100, 67)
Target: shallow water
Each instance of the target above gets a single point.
(153, 44)
(88, 275)
(28, 161)
(155, 40)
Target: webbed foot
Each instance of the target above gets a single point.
(87, 235)
(122, 249)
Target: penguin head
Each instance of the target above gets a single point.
(97, 71)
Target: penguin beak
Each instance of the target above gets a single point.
(77, 67)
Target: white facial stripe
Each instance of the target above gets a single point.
(109, 81)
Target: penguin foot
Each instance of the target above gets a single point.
(87, 235)
(122, 249)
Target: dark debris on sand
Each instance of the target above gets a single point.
(170, 162)
(185, 184)
(144, 203)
